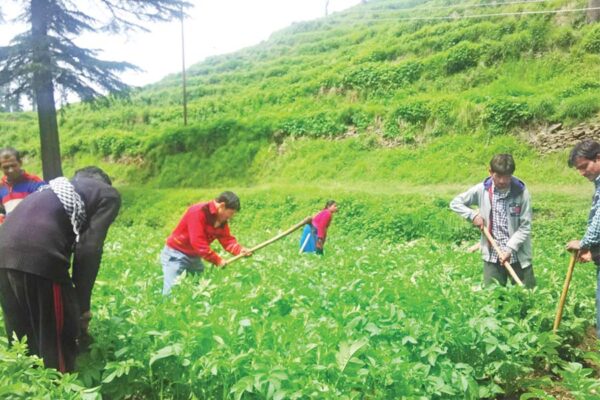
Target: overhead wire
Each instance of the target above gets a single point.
(456, 17)
(481, 5)
(424, 7)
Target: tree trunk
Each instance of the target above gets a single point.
(44, 90)
(593, 15)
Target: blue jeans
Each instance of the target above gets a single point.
(174, 263)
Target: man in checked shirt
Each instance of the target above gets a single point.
(585, 158)
(505, 208)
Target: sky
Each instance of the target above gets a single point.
(213, 27)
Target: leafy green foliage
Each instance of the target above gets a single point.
(401, 83)
(24, 377)
(580, 107)
(317, 125)
(502, 114)
(414, 113)
(591, 41)
(394, 308)
(382, 77)
(462, 56)
(387, 312)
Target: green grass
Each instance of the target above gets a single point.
(424, 84)
(392, 119)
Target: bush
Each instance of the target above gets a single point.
(493, 53)
(357, 117)
(591, 41)
(538, 31)
(385, 77)
(116, 145)
(414, 113)
(516, 43)
(229, 163)
(205, 138)
(407, 121)
(462, 56)
(577, 88)
(503, 114)
(579, 107)
(445, 111)
(542, 109)
(563, 37)
(381, 55)
(318, 125)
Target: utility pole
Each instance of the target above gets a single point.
(326, 7)
(593, 15)
(183, 71)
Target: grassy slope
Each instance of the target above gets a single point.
(432, 86)
(265, 117)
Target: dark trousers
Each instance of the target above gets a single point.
(45, 312)
(494, 272)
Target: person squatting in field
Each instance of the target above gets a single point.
(505, 208)
(64, 222)
(585, 158)
(190, 242)
(314, 234)
(16, 184)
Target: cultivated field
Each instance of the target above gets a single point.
(393, 310)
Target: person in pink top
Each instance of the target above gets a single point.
(314, 235)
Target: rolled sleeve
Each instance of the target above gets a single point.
(592, 234)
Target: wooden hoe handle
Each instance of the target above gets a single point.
(563, 296)
(507, 265)
(272, 240)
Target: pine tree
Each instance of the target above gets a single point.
(45, 58)
(9, 103)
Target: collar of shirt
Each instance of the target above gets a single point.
(597, 182)
(212, 207)
(23, 177)
(500, 193)
(211, 215)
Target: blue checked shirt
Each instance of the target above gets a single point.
(500, 224)
(592, 235)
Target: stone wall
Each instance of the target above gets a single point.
(556, 137)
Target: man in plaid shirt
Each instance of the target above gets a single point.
(505, 208)
(585, 158)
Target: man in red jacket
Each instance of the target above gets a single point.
(16, 184)
(190, 242)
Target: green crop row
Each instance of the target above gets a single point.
(393, 310)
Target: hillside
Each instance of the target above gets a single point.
(378, 77)
(391, 113)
